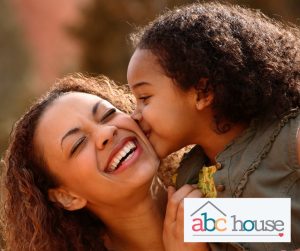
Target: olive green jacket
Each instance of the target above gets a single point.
(262, 162)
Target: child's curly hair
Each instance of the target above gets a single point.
(250, 63)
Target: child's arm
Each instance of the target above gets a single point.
(173, 224)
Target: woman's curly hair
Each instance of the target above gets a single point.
(32, 222)
(250, 62)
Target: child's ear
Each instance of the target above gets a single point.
(203, 95)
(203, 100)
(67, 200)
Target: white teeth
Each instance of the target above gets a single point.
(122, 153)
(126, 148)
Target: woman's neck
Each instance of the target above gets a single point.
(138, 227)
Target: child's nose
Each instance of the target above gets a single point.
(136, 115)
(105, 135)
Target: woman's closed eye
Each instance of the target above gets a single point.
(78, 144)
(109, 114)
(82, 140)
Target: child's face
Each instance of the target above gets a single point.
(164, 111)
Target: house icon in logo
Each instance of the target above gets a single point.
(206, 204)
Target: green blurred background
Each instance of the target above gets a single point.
(43, 40)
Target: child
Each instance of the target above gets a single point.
(227, 79)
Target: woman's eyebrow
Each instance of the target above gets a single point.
(95, 108)
(72, 131)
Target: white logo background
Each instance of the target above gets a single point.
(237, 219)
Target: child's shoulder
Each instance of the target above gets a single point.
(190, 166)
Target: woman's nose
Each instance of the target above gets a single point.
(136, 115)
(105, 135)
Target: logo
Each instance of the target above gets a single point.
(237, 220)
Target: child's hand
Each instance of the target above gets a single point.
(173, 224)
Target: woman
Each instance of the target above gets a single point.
(78, 174)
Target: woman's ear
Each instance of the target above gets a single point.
(67, 200)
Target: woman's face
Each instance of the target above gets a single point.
(94, 150)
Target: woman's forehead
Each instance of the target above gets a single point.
(79, 99)
(66, 112)
(78, 96)
(67, 109)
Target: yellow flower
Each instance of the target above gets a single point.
(174, 178)
(206, 181)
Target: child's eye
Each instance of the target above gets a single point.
(144, 98)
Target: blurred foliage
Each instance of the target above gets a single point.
(284, 10)
(107, 24)
(13, 71)
(105, 29)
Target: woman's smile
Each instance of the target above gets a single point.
(124, 154)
